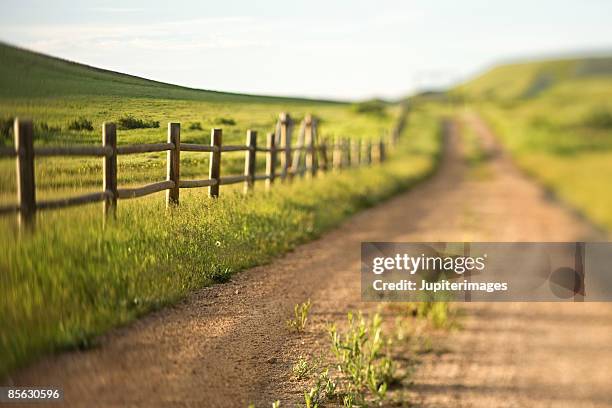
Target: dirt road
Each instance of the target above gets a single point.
(228, 346)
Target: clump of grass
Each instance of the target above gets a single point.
(220, 273)
(363, 358)
(225, 121)
(195, 126)
(300, 316)
(304, 368)
(128, 122)
(374, 107)
(439, 314)
(323, 389)
(81, 123)
(6, 129)
(599, 118)
(46, 128)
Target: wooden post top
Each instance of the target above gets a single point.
(284, 118)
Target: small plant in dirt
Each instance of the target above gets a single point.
(304, 368)
(363, 359)
(323, 389)
(439, 314)
(81, 123)
(225, 121)
(300, 316)
(128, 122)
(195, 126)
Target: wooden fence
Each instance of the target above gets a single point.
(308, 157)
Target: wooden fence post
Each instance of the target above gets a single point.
(26, 185)
(295, 167)
(285, 140)
(337, 154)
(214, 172)
(249, 161)
(324, 159)
(109, 138)
(270, 160)
(382, 155)
(315, 145)
(355, 152)
(368, 153)
(173, 160)
(346, 152)
(309, 157)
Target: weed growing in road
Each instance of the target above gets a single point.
(323, 389)
(360, 368)
(439, 314)
(300, 316)
(303, 368)
(363, 359)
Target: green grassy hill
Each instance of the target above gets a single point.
(532, 79)
(56, 92)
(27, 74)
(69, 102)
(556, 119)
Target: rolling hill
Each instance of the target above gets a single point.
(56, 94)
(26, 73)
(532, 79)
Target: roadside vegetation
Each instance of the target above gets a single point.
(73, 279)
(370, 360)
(555, 118)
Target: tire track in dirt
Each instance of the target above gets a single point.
(227, 345)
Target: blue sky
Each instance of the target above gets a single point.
(336, 49)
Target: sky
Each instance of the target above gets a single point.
(332, 48)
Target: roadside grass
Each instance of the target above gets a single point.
(555, 118)
(570, 159)
(73, 280)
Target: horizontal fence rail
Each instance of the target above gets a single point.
(145, 148)
(283, 161)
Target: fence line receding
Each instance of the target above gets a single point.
(284, 161)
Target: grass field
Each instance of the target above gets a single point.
(556, 119)
(56, 93)
(73, 280)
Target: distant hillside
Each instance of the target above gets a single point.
(531, 79)
(27, 74)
